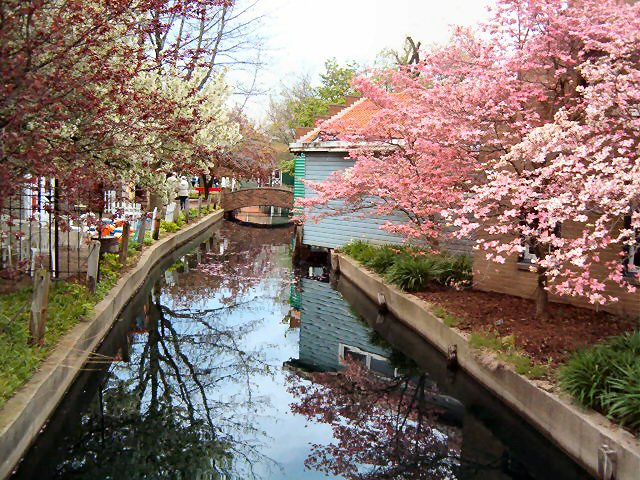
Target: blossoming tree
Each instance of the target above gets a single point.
(510, 135)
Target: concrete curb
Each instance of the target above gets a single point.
(583, 434)
(23, 416)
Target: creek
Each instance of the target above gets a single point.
(229, 363)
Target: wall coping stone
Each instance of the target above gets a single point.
(28, 410)
(579, 432)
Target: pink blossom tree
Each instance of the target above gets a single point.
(567, 190)
(511, 135)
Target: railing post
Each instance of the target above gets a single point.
(124, 243)
(93, 264)
(142, 229)
(39, 303)
(156, 225)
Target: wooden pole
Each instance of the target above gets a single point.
(156, 226)
(124, 243)
(39, 303)
(142, 229)
(93, 264)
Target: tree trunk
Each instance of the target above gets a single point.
(155, 200)
(206, 184)
(542, 296)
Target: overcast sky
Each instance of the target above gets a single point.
(302, 34)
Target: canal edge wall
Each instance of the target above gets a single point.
(579, 432)
(28, 410)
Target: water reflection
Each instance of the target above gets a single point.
(229, 366)
(263, 215)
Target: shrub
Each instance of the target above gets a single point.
(606, 377)
(413, 274)
(169, 227)
(359, 250)
(412, 268)
(382, 259)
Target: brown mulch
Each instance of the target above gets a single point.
(568, 329)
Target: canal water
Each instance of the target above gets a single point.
(229, 364)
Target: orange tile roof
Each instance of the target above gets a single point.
(347, 120)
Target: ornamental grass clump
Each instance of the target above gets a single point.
(410, 267)
(382, 259)
(359, 250)
(413, 274)
(606, 377)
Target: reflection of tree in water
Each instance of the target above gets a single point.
(229, 267)
(384, 427)
(163, 415)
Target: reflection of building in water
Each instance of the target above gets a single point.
(329, 330)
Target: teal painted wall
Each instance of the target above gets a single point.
(332, 232)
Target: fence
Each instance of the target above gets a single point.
(47, 226)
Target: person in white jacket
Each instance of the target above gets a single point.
(183, 192)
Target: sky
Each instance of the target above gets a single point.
(301, 34)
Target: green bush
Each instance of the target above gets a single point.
(382, 259)
(412, 268)
(170, 227)
(359, 250)
(413, 274)
(606, 377)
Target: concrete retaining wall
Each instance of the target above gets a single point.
(28, 410)
(580, 433)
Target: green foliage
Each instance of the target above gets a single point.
(383, 259)
(68, 304)
(506, 351)
(359, 250)
(413, 274)
(169, 227)
(176, 265)
(288, 166)
(193, 212)
(412, 268)
(148, 239)
(336, 81)
(448, 319)
(606, 377)
(194, 194)
(181, 220)
(335, 84)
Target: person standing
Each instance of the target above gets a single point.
(172, 187)
(183, 192)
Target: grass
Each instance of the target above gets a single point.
(448, 319)
(606, 377)
(506, 351)
(69, 303)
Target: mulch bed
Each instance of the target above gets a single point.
(568, 329)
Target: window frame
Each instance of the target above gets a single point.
(368, 356)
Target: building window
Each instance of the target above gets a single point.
(528, 256)
(632, 252)
(376, 363)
